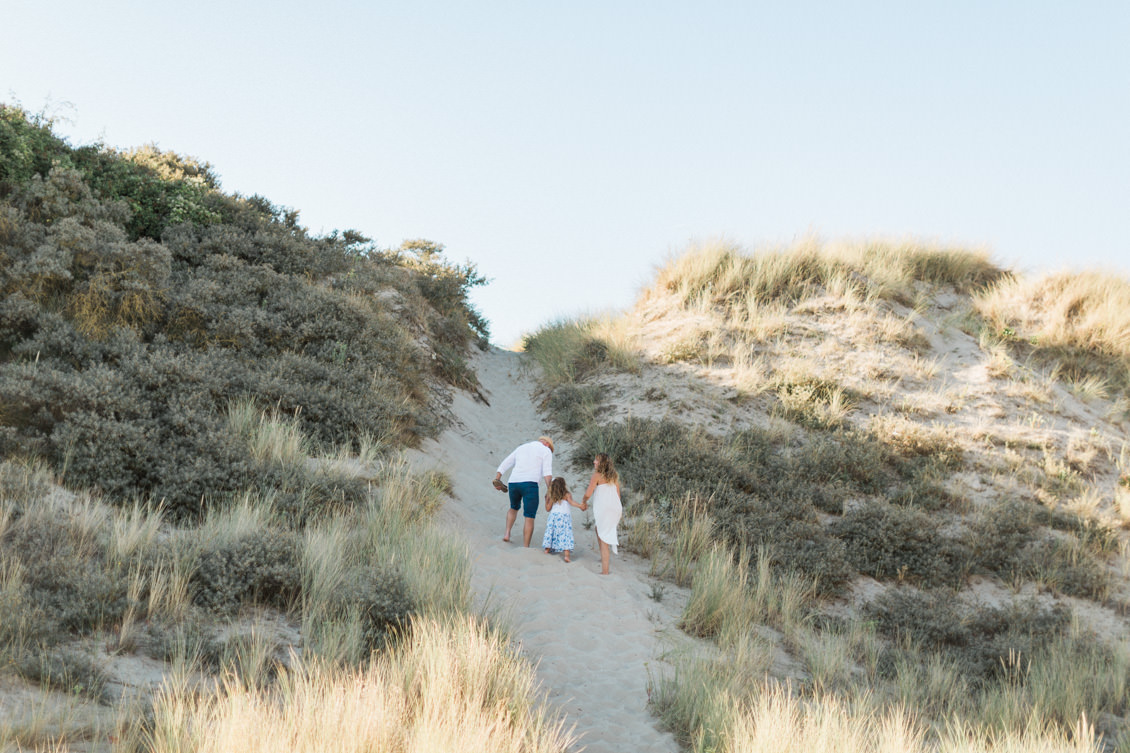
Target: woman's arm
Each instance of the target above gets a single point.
(592, 487)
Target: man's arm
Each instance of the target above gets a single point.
(506, 464)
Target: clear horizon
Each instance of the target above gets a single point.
(567, 150)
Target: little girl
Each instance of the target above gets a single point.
(559, 528)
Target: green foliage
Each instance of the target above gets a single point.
(28, 147)
(889, 542)
(67, 576)
(161, 189)
(1010, 541)
(763, 491)
(749, 486)
(1067, 567)
(67, 671)
(983, 642)
(379, 599)
(999, 534)
(444, 286)
(261, 567)
(572, 406)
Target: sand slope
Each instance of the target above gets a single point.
(593, 638)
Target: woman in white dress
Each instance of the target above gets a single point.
(604, 490)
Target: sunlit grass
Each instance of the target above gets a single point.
(1079, 322)
(454, 685)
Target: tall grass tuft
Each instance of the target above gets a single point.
(720, 594)
(570, 350)
(1078, 322)
(271, 437)
(689, 536)
(455, 685)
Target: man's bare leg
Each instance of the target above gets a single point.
(511, 516)
(528, 531)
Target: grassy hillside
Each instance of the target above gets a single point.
(896, 479)
(201, 406)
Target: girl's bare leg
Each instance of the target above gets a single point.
(566, 555)
(605, 555)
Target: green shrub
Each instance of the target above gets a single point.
(260, 567)
(572, 406)
(983, 642)
(160, 188)
(758, 494)
(664, 459)
(67, 671)
(999, 533)
(1066, 566)
(888, 542)
(67, 576)
(28, 147)
(379, 599)
(923, 493)
(791, 536)
(1009, 541)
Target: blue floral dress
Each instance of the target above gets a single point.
(559, 529)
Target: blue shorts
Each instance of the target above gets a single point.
(525, 493)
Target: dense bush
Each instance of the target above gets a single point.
(1010, 540)
(261, 567)
(766, 491)
(998, 534)
(984, 642)
(67, 671)
(571, 405)
(67, 575)
(1063, 564)
(28, 147)
(889, 542)
(379, 599)
(791, 535)
(137, 300)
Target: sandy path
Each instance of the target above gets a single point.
(592, 637)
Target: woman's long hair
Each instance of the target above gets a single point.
(557, 489)
(605, 468)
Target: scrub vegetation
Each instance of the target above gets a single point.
(202, 408)
(892, 477)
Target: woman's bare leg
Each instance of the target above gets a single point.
(605, 556)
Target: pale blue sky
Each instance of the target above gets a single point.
(568, 148)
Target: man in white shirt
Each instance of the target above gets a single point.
(531, 462)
